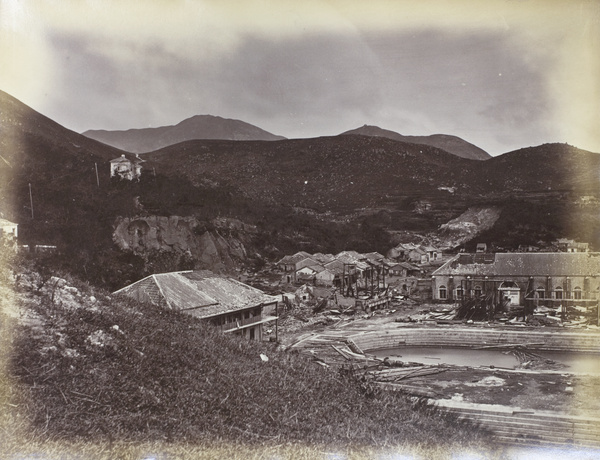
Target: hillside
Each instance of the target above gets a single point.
(547, 167)
(341, 174)
(197, 127)
(89, 368)
(61, 167)
(408, 186)
(34, 149)
(452, 144)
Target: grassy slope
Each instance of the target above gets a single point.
(165, 377)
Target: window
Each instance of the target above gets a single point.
(459, 292)
(443, 292)
(477, 291)
(577, 293)
(558, 293)
(541, 292)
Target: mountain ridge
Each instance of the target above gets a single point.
(143, 140)
(447, 142)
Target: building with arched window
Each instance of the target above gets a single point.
(552, 279)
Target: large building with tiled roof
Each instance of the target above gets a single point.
(544, 278)
(226, 303)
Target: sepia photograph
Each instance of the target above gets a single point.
(284, 229)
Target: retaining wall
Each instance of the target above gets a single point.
(471, 337)
(527, 426)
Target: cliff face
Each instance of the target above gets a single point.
(208, 248)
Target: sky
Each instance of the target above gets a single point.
(500, 74)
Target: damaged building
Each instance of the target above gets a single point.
(553, 279)
(226, 303)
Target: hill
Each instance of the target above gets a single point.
(197, 127)
(340, 174)
(407, 186)
(60, 165)
(452, 144)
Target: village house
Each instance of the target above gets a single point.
(433, 254)
(288, 263)
(347, 268)
(312, 294)
(410, 252)
(404, 270)
(551, 279)
(9, 231)
(417, 255)
(226, 303)
(566, 245)
(125, 168)
(306, 274)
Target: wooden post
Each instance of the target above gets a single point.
(97, 178)
(277, 318)
(31, 200)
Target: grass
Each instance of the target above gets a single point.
(110, 378)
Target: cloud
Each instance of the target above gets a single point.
(498, 75)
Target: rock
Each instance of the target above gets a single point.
(56, 282)
(71, 290)
(185, 236)
(99, 338)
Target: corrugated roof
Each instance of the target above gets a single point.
(202, 293)
(525, 264)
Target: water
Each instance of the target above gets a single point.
(447, 355)
(574, 362)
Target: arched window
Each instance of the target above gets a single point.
(459, 292)
(558, 292)
(541, 292)
(443, 292)
(477, 291)
(577, 293)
